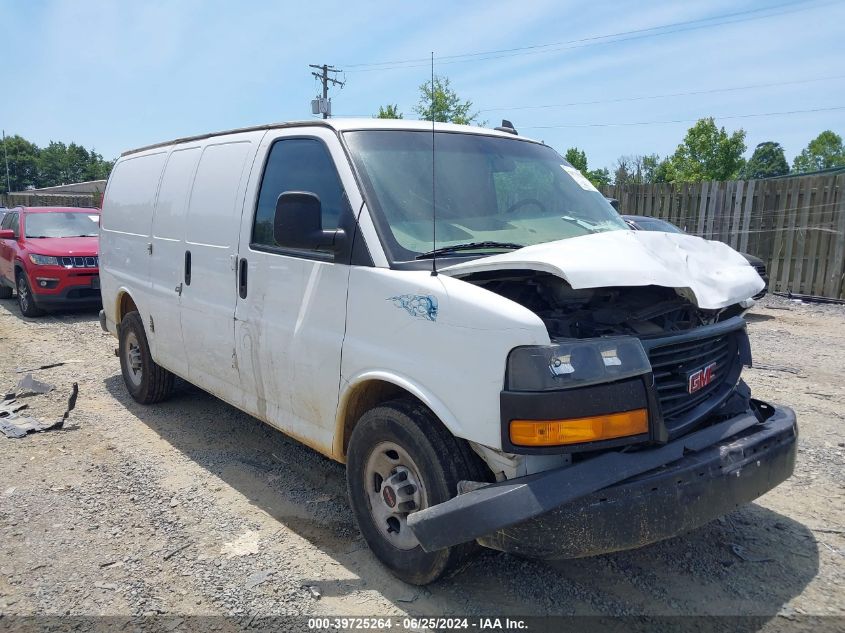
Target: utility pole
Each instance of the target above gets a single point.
(323, 105)
(6, 152)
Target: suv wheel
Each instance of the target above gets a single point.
(25, 299)
(146, 381)
(402, 459)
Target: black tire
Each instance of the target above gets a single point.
(5, 292)
(146, 381)
(25, 301)
(439, 459)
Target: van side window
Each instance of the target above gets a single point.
(297, 164)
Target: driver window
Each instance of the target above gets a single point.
(297, 164)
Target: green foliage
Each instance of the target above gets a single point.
(823, 152)
(577, 158)
(599, 177)
(767, 160)
(708, 153)
(445, 104)
(56, 164)
(390, 111)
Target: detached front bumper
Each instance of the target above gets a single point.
(618, 500)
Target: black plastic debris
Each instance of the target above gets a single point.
(14, 425)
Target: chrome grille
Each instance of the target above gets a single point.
(79, 262)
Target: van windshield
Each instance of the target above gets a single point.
(67, 224)
(492, 194)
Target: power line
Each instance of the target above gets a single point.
(666, 122)
(675, 27)
(664, 95)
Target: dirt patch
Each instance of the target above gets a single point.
(192, 507)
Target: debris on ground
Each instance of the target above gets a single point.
(29, 385)
(258, 578)
(314, 591)
(14, 425)
(743, 554)
(244, 545)
(173, 552)
(50, 366)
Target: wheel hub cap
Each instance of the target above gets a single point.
(395, 490)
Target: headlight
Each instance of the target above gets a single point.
(576, 363)
(44, 260)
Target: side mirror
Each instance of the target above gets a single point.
(298, 223)
(7, 234)
(614, 203)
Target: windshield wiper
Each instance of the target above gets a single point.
(470, 246)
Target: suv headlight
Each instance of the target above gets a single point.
(44, 260)
(575, 363)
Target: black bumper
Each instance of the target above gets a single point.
(73, 296)
(621, 500)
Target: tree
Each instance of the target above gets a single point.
(447, 106)
(56, 164)
(577, 158)
(390, 111)
(23, 164)
(767, 160)
(708, 153)
(822, 152)
(636, 170)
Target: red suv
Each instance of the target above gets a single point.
(49, 255)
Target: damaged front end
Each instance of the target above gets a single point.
(639, 389)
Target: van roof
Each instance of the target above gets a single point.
(341, 125)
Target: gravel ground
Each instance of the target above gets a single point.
(192, 507)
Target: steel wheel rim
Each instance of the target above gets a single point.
(394, 490)
(132, 356)
(23, 294)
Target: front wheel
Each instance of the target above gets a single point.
(146, 381)
(402, 459)
(25, 300)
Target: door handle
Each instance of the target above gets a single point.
(178, 289)
(242, 273)
(187, 268)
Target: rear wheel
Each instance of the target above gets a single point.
(146, 381)
(402, 459)
(25, 299)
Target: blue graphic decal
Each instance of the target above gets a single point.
(423, 306)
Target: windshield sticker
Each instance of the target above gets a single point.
(422, 306)
(578, 177)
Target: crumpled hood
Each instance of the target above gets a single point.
(710, 274)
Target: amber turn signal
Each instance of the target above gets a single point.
(578, 430)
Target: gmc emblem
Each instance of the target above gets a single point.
(700, 378)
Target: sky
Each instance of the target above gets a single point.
(114, 75)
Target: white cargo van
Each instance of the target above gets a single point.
(532, 375)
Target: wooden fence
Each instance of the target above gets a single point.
(24, 199)
(796, 225)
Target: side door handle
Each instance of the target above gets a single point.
(178, 289)
(187, 268)
(242, 278)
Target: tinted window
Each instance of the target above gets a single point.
(299, 164)
(7, 217)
